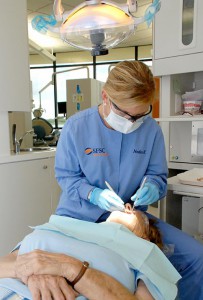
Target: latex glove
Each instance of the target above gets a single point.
(147, 195)
(107, 200)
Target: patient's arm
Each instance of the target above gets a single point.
(7, 265)
(40, 285)
(142, 292)
(94, 285)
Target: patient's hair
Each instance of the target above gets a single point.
(154, 234)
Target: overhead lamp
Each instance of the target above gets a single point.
(98, 25)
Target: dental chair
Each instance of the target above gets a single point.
(44, 133)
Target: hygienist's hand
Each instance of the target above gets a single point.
(50, 287)
(147, 195)
(106, 199)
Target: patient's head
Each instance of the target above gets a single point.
(137, 222)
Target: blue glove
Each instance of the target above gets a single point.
(147, 195)
(106, 199)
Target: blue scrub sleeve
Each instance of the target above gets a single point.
(67, 167)
(158, 165)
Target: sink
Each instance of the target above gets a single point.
(36, 149)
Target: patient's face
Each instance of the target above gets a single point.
(135, 221)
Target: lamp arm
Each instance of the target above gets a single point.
(69, 70)
(132, 6)
(92, 2)
(44, 88)
(58, 10)
(110, 66)
(52, 81)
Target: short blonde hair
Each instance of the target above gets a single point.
(129, 83)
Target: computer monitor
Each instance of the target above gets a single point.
(62, 108)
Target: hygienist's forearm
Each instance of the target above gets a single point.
(96, 285)
(7, 265)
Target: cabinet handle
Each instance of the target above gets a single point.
(45, 167)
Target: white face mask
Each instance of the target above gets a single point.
(122, 124)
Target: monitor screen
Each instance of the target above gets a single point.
(62, 108)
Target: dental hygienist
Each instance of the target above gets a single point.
(120, 143)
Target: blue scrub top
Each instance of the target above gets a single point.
(88, 153)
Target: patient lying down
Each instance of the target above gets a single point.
(137, 222)
(49, 275)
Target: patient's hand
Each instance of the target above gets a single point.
(48, 287)
(38, 262)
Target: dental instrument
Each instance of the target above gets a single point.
(111, 189)
(141, 187)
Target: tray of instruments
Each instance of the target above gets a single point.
(192, 177)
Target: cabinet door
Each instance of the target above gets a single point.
(55, 188)
(14, 60)
(25, 199)
(178, 28)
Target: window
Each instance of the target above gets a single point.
(40, 78)
(51, 89)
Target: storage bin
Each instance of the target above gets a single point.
(193, 96)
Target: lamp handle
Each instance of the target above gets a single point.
(132, 5)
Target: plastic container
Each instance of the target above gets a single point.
(193, 96)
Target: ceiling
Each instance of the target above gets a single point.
(52, 42)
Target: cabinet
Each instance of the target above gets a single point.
(175, 85)
(184, 206)
(178, 61)
(14, 57)
(178, 43)
(82, 94)
(192, 216)
(29, 195)
(172, 87)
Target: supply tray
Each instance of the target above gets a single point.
(191, 177)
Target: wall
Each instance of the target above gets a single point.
(144, 52)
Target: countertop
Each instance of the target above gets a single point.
(184, 189)
(23, 156)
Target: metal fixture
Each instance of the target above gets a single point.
(95, 25)
(41, 51)
(17, 143)
(39, 111)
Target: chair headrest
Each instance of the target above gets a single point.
(43, 123)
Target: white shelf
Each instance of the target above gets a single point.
(180, 118)
(183, 165)
(184, 189)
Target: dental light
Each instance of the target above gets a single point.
(95, 25)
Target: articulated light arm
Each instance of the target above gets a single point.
(40, 92)
(58, 10)
(52, 81)
(132, 6)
